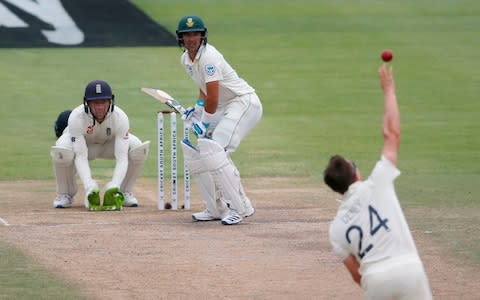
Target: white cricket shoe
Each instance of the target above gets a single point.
(232, 218)
(204, 216)
(130, 200)
(249, 212)
(63, 201)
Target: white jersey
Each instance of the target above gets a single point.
(89, 140)
(370, 223)
(210, 65)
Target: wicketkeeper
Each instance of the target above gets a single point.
(97, 129)
(227, 109)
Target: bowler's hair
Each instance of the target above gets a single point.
(339, 174)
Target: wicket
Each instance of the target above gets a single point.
(173, 162)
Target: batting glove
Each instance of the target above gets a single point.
(193, 114)
(200, 129)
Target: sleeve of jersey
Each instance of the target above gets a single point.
(384, 171)
(336, 242)
(121, 150)
(212, 68)
(81, 153)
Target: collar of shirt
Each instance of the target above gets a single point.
(351, 190)
(199, 54)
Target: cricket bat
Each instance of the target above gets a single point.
(165, 98)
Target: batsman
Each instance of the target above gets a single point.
(97, 129)
(226, 110)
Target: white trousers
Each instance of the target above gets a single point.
(231, 124)
(403, 280)
(105, 151)
(235, 120)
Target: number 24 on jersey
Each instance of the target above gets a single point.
(376, 223)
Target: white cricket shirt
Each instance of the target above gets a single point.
(84, 135)
(370, 223)
(210, 65)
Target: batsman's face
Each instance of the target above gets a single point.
(99, 108)
(192, 41)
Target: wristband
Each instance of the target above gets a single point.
(200, 102)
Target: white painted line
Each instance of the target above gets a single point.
(4, 222)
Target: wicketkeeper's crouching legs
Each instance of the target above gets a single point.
(64, 169)
(136, 161)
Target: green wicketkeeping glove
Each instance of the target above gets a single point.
(113, 199)
(94, 198)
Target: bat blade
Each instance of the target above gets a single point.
(165, 98)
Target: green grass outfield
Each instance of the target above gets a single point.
(314, 65)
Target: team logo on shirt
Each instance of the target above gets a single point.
(189, 70)
(109, 131)
(210, 69)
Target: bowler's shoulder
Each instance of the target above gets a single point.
(384, 170)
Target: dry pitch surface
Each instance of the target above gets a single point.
(282, 252)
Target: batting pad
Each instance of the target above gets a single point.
(204, 180)
(224, 173)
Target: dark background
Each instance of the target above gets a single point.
(105, 23)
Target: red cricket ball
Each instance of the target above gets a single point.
(387, 55)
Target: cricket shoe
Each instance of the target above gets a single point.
(249, 212)
(130, 200)
(204, 216)
(232, 218)
(63, 201)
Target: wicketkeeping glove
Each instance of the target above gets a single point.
(113, 198)
(92, 195)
